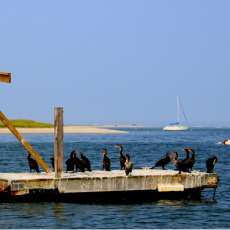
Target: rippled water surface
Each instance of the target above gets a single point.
(145, 146)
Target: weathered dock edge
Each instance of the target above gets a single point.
(97, 186)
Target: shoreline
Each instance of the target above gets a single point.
(67, 129)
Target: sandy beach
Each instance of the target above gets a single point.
(67, 129)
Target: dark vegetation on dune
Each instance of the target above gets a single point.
(23, 123)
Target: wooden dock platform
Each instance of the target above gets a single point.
(113, 186)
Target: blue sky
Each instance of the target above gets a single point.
(116, 61)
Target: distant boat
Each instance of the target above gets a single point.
(226, 142)
(177, 126)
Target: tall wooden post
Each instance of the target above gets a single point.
(58, 143)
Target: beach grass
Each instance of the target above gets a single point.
(23, 123)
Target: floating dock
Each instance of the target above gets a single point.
(96, 186)
(100, 186)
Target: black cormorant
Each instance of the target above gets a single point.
(52, 162)
(71, 161)
(106, 161)
(186, 164)
(85, 162)
(32, 164)
(128, 165)
(210, 164)
(163, 161)
(122, 156)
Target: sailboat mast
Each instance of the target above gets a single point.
(178, 109)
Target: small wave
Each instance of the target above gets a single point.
(219, 143)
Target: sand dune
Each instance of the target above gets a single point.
(67, 129)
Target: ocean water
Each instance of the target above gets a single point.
(145, 146)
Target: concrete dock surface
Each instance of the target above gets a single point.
(100, 182)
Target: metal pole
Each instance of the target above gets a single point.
(178, 109)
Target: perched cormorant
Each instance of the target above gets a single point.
(191, 161)
(181, 165)
(78, 164)
(128, 165)
(210, 164)
(186, 165)
(106, 161)
(163, 161)
(71, 161)
(122, 156)
(85, 162)
(32, 164)
(52, 162)
(74, 163)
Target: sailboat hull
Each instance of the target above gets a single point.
(176, 127)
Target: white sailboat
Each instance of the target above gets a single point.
(177, 126)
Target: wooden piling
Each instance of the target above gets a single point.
(58, 142)
(5, 77)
